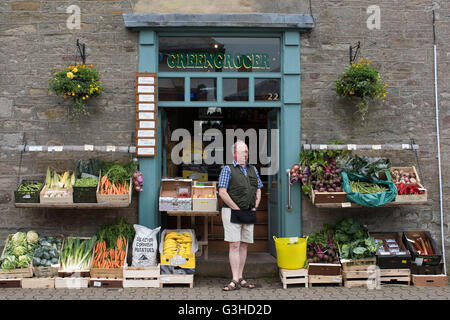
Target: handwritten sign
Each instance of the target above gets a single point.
(146, 113)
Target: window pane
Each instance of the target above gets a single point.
(219, 54)
(267, 89)
(203, 89)
(171, 89)
(235, 89)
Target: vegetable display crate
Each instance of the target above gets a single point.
(141, 277)
(118, 199)
(295, 276)
(440, 280)
(28, 196)
(17, 273)
(401, 259)
(10, 283)
(169, 199)
(328, 197)
(177, 279)
(324, 273)
(82, 273)
(427, 270)
(419, 258)
(360, 273)
(84, 194)
(105, 283)
(204, 196)
(395, 276)
(71, 283)
(38, 283)
(403, 198)
(313, 279)
(51, 271)
(67, 199)
(109, 273)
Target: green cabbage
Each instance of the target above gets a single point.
(24, 261)
(9, 262)
(19, 251)
(32, 236)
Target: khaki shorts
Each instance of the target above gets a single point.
(236, 232)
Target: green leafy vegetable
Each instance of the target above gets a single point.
(366, 166)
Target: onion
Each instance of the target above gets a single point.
(296, 167)
(138, 188)
(134, 175)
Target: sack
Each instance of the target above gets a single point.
(145, 246)
(243, 216)
(368, 199)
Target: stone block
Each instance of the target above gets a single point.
(5, 107)
(26, 6)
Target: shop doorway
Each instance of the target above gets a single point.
(201, 119)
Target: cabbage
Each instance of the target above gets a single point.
(24, 261)
(9, 262)
(32, 236)
(19, 238)
(19, 250)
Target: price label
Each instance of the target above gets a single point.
(177, 260)
(35, 148)
(110, 148)
(88, 147)
(55, 148)
(406, 146)
(323, 147)
(146, 89)
(419, 261)
(351, 147)
(376, 147)
(346, 204)
(97, 284)
(293, 239)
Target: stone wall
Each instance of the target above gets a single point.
(34, 38)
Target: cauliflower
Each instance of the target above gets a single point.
(19, 251)
(23, 261)
(19, 238)
(32, 236)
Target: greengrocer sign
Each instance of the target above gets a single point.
(217, 60)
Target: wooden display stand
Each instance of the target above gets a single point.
(297, 276)
(141, 277)
(177, 279)
(38, 283)
(397, 276)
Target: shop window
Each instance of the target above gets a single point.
(203, 89)
(171, 89)
(267, 89)
(235, 89)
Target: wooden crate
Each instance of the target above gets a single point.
(409, 169)
(177, 279)
(357, 264)
(360, 273)
(52, 271)
(200, 189)
(422, 259)
(120, 199)
(324, 269)
(60, 200)
(141, 277)
(105, 283)
(398, 276)
(85, 273)
(316, 279)
(328, 197)
(17, 273)
(297, 276)
(440, 280)
(10, 283)
(38, 283)
(392, 261)
(71, 283)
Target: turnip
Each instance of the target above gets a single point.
(331, 190)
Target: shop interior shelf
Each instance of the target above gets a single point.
(355, 205)
(72, 205)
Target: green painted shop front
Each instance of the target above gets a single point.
(284, 203)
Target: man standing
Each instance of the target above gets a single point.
(240, 189)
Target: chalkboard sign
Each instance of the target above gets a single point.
(146, 113)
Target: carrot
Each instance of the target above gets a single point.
(122, 257)
(119, 243)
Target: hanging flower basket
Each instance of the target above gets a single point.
(77, 83)
(362, 80)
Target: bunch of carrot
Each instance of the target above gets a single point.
(110, 258)
(106, 187)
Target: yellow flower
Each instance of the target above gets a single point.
(87, 96)
(78, 86)
(73, 93)
(75, 70)
(84, 98)
(383, 101)
(70, 75)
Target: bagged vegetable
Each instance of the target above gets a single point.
(145, 246)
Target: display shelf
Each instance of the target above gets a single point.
(72, 205)
(345, 205)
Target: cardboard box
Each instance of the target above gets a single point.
(169, 199)
(204, 196)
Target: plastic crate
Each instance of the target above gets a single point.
(85, 194)
(28, 196)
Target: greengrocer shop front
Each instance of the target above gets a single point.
(221, 77)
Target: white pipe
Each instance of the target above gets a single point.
(84, 148)
(441, 206)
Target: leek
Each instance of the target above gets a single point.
(77, 254)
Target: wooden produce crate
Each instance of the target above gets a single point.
(105, 283)
(360, 273)
(440, 280)
(389, 261)
(17, 273)
(68, 199)
(395, 276)
(52, 271)
(113, 273)
(422, 259)
(122, 199)
(177, 279)
(83, 273)
(410, 197)
(38, 283)
(328, 197)
(324, 273)
(141, 277)
(10, 283)
(204, 196)
(168, 196)
(296, 276)
(408, 169)
(28, 196)
(71, 283)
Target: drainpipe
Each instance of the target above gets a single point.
(438, 146)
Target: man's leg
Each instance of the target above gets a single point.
(235, 261)
(242, 258)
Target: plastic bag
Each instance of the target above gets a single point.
(145, 247)
(368, 199)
